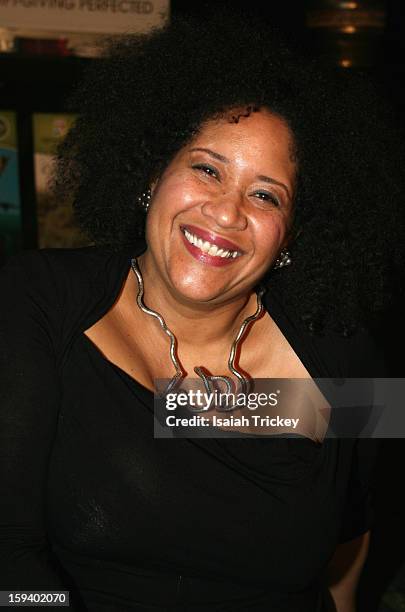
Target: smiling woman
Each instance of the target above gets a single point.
(230, 190)
(236, 197)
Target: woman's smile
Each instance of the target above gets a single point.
(208, 248)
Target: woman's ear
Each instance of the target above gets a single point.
(154, 185)
(296, 233)
(291, 236)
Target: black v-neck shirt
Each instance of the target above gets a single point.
(93, 503)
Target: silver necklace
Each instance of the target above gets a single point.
(208, 380)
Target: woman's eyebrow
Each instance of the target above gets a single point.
(260, 177)
(268, 179)
(212, 153)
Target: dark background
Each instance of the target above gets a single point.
(42, 84)
(35, 83)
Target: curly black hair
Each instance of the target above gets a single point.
(148, 96)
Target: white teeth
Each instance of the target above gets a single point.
(207, 247)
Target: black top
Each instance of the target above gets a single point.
(91, 502)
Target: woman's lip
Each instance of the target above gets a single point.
(211, 260)
(212, 238)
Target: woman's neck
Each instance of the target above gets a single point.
(193, 323)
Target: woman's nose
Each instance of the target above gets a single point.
(226, 210)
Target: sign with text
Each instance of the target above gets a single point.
(86, 16)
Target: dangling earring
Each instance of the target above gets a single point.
(284, 259)
(144, 199)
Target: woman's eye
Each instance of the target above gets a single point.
(267, 197)
(206, 169)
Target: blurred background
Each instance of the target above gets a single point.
(44, 47)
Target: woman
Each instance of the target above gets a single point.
(237, 159)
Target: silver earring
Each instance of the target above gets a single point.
(144, 199)
(284, 259)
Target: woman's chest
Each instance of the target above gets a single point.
(262, 353)
(116, 492)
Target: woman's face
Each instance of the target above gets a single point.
(221, 211)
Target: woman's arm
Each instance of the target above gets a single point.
(29, 401)
(344, 570)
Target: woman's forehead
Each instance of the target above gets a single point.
(260, 132)
(249, 119)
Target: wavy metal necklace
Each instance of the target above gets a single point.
(208, 380)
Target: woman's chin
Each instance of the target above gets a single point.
(197, 292)
(196, 295)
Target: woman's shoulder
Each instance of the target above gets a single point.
(359, 354)
(74, 260)
(64, 281)
(55, 292)
(50, 270)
